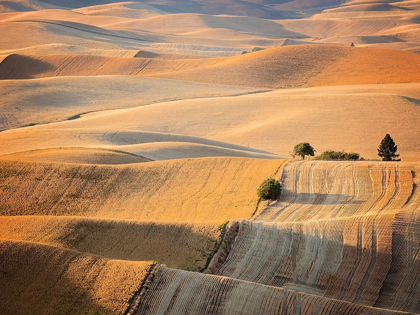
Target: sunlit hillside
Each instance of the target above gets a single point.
(134, 136)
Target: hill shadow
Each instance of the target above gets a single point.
(34, 279)
(23, 67)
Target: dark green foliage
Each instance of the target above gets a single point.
(269, 189)
(334, 155)
(387, 149)
(352, 45)
(303, 149)
(252, 50)
(256, 49)
(353, 156)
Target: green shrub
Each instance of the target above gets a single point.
(269, 189)
(335, 155)
(252, 50)
(353, 156)
(256, 49)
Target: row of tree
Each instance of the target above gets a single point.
(387, 150)
(271, 188)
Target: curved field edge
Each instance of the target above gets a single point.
(341, 230)
(191, 190)
(279, 67)
(171, 291)
(77, 156)
(57, 99)
(41, 279)
(178, 245)
(365, 260)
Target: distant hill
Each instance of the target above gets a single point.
(272, 9)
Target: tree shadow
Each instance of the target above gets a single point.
(317, 198)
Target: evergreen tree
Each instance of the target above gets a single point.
(387, 149)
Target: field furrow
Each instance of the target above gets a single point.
(351, 246)
(71, 282)
(135, 135)
(341, 190)
(190, 190)
(179, 292)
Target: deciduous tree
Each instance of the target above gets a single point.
(303, 149)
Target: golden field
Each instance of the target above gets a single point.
(283, 67)
(40, 279)
(116, 239)
(134, 136)
(190, 190)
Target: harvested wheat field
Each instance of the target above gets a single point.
(346, 238)
(236, 126)
(188, 190)
(284, 67)
(134, 136)
(70, 281)
(175, 290)
(57, 99)
(117, 239)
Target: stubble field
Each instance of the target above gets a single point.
(134, 136)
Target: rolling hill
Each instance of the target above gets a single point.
(351, 246)
(70, 281)
(134, 136)
(284, 67)
(248, 125)
(60, 98)
(121, 240)
(224, 188)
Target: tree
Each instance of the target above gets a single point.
(387, 149)
(269, 189)
(303, 149)
(352, 45)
